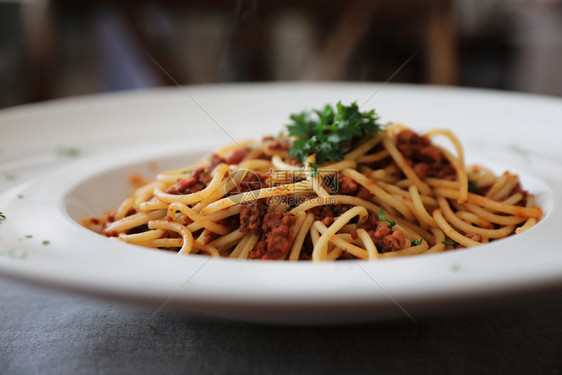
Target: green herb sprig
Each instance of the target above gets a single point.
(416, 242)
(329, 132)
(382, 217)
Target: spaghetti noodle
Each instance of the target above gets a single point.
(393, 193)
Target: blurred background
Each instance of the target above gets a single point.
(60, 48)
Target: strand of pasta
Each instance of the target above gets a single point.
(225, 187)
(163, 242)
(461, 173)
(280, 164)
(450, 232)
(368, 243)
(248, 245)
(219, 173)
(439, 239)
(141, 237)
(507, 188)
(531, 221)
(144, 193)
(133, 221)
(491, 204)
(377, 156)
(497, 185)
(513, 199)
(153, 205)
(294, 254)
(256, 165)
(393, 189)
(319, 251)
(197, 218)
(124, 208)
(471, 217)
(379, 192)
(403, 165)
(255, 194)
(364, 147)
(493, 218)
(326, 236)
(242, 245)
(336, 167)
(417, 213)
(227, 240)
(421, 211)
(468, 228)
(178, 228)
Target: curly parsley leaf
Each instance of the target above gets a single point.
(329, 132)
(382, 217)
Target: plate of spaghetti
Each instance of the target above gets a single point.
(316, 208)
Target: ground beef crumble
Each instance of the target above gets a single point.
(196, 182)
(251, 216)
(275, 241)
(424, 158)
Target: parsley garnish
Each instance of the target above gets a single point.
(471, 186)
(71, 152)
(416, 242)
(337, 210)
(45, 242)
(382, 217)
(2, 217)
(328, 133)
(451, 243)
(28, 235)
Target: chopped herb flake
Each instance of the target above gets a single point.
(71, 152)
(450, 243)
(45, 242)
(416, 242)
(2, 217)
(28, 236)
(455, 267)
(472, 186)
(382, 217)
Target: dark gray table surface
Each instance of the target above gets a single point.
(44, 331)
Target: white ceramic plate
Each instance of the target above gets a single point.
(65, 159)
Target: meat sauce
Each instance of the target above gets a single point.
(196, 182)
(424, 158)
(275, 241)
